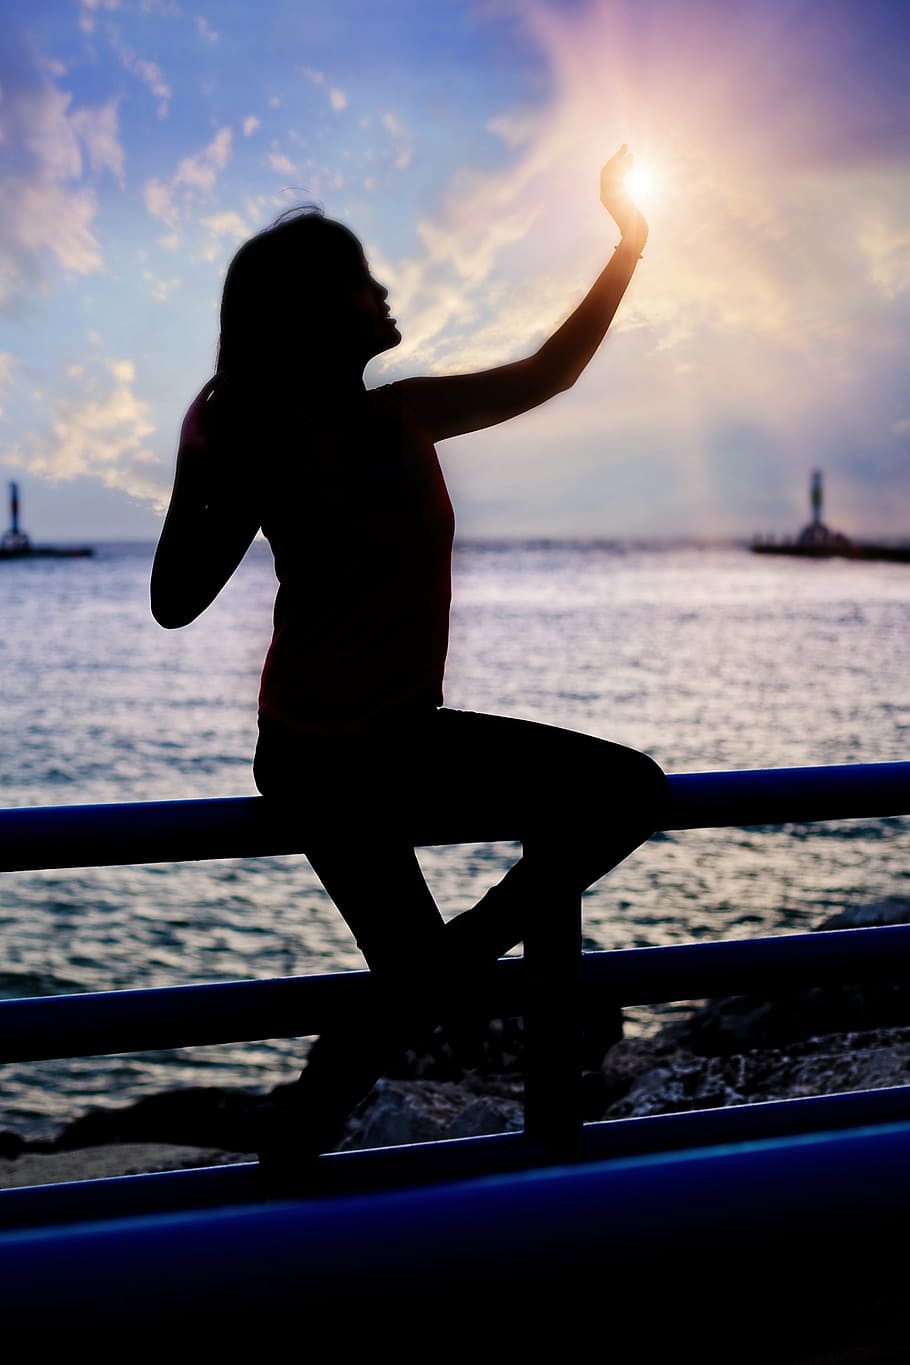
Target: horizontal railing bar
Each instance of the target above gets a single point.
(108, 1022)
(772, 1222)
(46, 837)
(412, 1165)
(773, 796)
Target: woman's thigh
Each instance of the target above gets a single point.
(451, 776)
(470, 776)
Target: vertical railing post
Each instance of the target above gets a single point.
(552, 1024)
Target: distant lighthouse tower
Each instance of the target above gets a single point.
(14, 541)
(815, 497)
(15, 544)
(815, 535)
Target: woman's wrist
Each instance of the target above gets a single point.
(632, 244)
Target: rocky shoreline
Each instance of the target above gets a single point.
(730, 1051)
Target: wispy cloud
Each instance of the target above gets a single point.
(98, 427)
(89, 9)
(193, 180)
(227, 224)
(205, 29)
(148, 72)
(51, 152)
(281, 163)
(767, 325)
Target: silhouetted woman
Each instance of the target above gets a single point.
(354, 737)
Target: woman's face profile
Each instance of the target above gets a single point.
(365, 319)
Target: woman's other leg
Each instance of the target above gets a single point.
(580, 805)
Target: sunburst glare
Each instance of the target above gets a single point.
(643, 182)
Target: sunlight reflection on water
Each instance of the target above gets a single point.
(705, 658)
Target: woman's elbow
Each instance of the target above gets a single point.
(171, 610)
(168, 616)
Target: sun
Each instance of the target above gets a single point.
(643, 182)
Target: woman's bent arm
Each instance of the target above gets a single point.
(452, 405)
(209, 525)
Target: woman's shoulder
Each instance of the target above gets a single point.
(243, 411)
(386, 393)
(393, 399)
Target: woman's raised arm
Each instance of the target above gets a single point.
(210, 523)
(453, 404)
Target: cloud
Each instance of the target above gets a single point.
(99, 428)
(337, 97)
(89, 8)
(885, 245)
(159, 201)
(250, 124)
(514, 126)
(97, 129)
(161, 289)
(227, 224)
(40, 220)
(220, 225)
(50, 151)
(773, 294)
(7, 367)
(148, 72)
(194, 179)
(201, 171)
(205, 31)
(725, 256)
(280, 163)
(403, 152)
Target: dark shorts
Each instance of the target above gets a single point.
(435, 775)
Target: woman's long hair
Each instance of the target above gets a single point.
(277, 297)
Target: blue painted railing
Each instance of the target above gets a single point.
(160, 1221)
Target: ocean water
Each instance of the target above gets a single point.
(708, 658)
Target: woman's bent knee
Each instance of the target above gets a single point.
(653, 791)
(636, 787)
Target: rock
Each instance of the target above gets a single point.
(197, 1116)
(399, 1112)
(746, 1049)
(11, 1145)
(678, 1080)
(733, 1050)
(733, 1024)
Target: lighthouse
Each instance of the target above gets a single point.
(815, 497)
(15, 544)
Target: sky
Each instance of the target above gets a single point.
(765, 333)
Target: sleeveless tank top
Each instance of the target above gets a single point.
(361, 527)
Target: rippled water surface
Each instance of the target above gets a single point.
(706, 658)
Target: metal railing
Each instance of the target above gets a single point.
(225, 1012)
(631, 1214)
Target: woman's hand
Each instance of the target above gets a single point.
(452, 404)
(615, 199)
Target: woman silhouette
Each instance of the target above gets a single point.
(354, 737)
